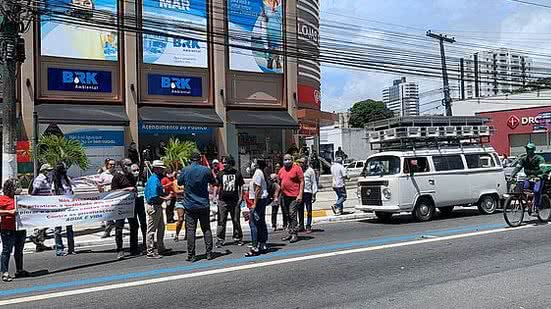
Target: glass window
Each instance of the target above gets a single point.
(416, 165)
(359, 164)
(385, 165)
(482, 160)
(448, 163)
(351, 165)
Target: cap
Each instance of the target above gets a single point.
(46, 167)
(530, 146)
(215, 161)
(196, 156)
(158, 163)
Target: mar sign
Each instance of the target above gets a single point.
(79, 80)
(168, 85)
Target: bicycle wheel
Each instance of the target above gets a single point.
(513, 211)
(544, 211)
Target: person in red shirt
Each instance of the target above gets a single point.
(11, 237)
(292, 188)
(168, 185)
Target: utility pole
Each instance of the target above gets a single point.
(12, 52)
(447, 102)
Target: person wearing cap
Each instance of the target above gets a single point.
(531, 163)
(196, 180)
(41, 186)
(155, 196)
(339, 176)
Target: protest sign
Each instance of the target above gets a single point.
(58, 210)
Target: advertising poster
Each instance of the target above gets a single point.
(257, 26)
(185, 23)
(100, 143)
(59, 210)
(79, 80)
(65, 39)
(174, 85)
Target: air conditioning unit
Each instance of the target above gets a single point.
(450, 131)
(413, 132)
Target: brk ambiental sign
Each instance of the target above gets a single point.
(170, 85)
(79, 80)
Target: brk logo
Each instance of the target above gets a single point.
(188, 44)
(81, 80)
(176, 85)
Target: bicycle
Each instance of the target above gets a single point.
(521, 200)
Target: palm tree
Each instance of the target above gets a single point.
(178, 153)
(53, 149)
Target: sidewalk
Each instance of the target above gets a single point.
(86, 236)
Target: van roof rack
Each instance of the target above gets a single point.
(428, 132)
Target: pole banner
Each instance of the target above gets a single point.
(59, 210)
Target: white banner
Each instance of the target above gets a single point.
(58, 210)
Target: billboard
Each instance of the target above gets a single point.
(174, 85)
(185, 25)
(69, 40)
(257, 27)
(79, 80)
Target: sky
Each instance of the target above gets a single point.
(499, 23)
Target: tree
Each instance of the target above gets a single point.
(54, 149)
(178, 153)
(366, 111)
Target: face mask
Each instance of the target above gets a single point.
(136, 173)
(226, 166)
(287, 163)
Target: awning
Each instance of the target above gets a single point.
(262, 119)
(88, 114)
(201, 117)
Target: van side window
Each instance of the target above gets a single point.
(448, 163)
(417, 165)
(359, 164)
(482, 160)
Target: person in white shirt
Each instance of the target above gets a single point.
(309, 196)
(339, 176)
(104, 185)
(258, 194)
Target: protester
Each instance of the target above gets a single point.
(339, 176)
(125, 180)
(168, 183)
(62, 186)
(41, 186)
(155, 196)
(292, 187)
(139, 207)
(196, 179)
(230, 186)
(12, 239)
(309, 197)
(180, 210)
(104, 167)
(104, 185)
(315, 162)
(133, 153)
(258, 194)
(276, 202)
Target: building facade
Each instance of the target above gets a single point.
(402, 98)
(216, 72)
(499, 72)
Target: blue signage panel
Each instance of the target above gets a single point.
(174, 85)
(79, 80)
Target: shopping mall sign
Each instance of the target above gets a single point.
(174, 85)
(68, 79)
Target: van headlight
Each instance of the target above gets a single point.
(387, 194)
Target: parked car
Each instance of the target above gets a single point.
(355, 168)
(421, 181)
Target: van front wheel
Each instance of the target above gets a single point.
(487, 204)
(424, 210)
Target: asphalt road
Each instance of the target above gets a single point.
(465, 261)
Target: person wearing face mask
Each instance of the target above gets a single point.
(62, 186)
(124, 180)
(292, 188)
(310, 190)
(104, 185)
(139, 208)
(168, 184)
(259, 197)
(230, 182)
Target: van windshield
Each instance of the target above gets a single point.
(379, 166)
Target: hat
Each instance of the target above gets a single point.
(215, 161)
(46, 167)
(196, 156)
(158, 164)
(531, 146)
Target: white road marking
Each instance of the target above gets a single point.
(246, 267)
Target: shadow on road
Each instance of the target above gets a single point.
(408, 218)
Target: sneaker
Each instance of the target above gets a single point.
(263, 248)
(286, 238)
(334, 209)
(71, 253)
(154, 256)
(341, 212)
(210, 256)
(61, 253)
(6, 277)
(293, 239)
(176, 239)
(240, 243)
(120, 255)
(308, 230)
(274, 228)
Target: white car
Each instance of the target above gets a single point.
(355, 168)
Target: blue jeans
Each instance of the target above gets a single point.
(341, 197)
(59, 241)
(537, 187)
(257, 223)
(306, 203)
(11, 240)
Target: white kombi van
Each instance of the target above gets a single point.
(421, 180)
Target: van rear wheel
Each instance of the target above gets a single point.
(424, 209)
(487, 204)
(383, 216)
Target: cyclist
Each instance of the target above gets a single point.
(531, 164)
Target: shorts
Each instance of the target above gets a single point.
(179, 205)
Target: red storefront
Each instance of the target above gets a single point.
(514, 128)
